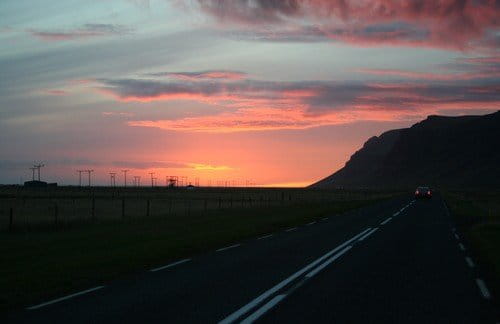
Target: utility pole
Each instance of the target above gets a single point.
(33, 170)
(38, 167)
(112, 176)
(79, 176)
(125, 177)
(152, 178)
(89, 172)
(137, 181)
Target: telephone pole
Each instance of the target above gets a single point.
(33, 170)
(89, 172)
(152, 178)
(79, 176)
(112, 176)
(125, 177)
(38, 167)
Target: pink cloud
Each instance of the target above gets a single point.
(56, 92)
(491, 73)
(451, 24)
(203, 75)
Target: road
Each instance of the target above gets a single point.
(398, 261)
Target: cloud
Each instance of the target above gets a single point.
(451, 24)
(83, 32)
(202, 75)
(209, 167)
(55, 92)
(117, 113)
(257, 105)
(487, 74)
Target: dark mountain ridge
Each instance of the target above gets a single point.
(439, 151)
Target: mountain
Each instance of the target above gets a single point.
(439, 151)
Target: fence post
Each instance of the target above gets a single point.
(123, 208)
(148, 208)
(205, 204)
(56, 212)
(220, 202)
(11, 218)
(93, 208)
(282, 197)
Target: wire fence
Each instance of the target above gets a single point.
(25, 209)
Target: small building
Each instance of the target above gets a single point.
(35, 184)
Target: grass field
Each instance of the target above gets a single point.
(44, 260)
(478, 216)
(65, 205)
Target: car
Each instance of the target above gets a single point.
(423, 192)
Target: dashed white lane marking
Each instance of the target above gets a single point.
(64, 298)
(368, 234)
(261, 311)
(227, 248)
(386, 221)
(395, 214)
(461, 246)
(256, 301)
(484, 290)
(469, 262)
(311, 223)
(327, 262)
(324, 218)
(170, 265)
(264, 237)
(457, 237)
(291, 229)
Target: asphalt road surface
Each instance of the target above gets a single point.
(399, 261)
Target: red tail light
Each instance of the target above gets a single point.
(416, 192)
(429, 192)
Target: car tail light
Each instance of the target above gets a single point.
(416, 192)
(429, 192)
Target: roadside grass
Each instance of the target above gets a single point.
(478, 216)
(43, 263)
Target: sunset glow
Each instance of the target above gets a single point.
(267, 93)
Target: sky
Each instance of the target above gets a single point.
(238, 92)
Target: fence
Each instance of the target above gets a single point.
(28, 209)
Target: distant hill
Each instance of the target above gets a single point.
(438, 151)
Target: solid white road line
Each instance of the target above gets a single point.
(170, 265)
(227, 248)
(261, 311)
(311, 223)
(256, 301)
(64, 298)
(386, 221)
(482, 287)
(461, 246)
(264, 237)
(469, 262)
(291, 229)
(368, 234)
(327, 262)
